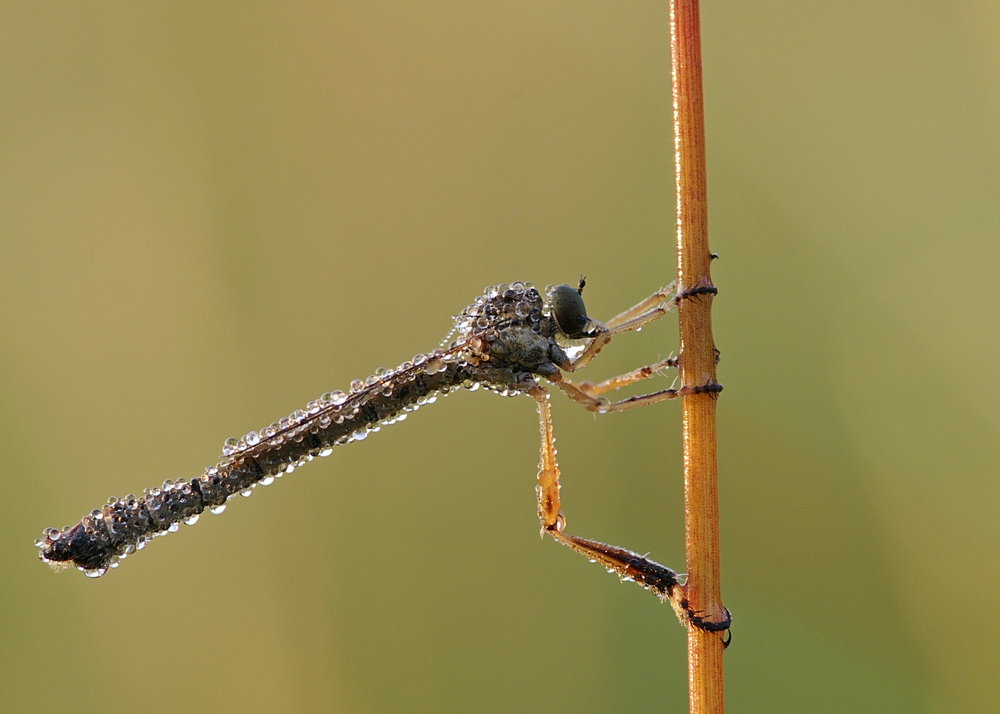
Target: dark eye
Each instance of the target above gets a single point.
(568, 310)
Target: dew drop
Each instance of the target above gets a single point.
(216, 510)
(336, 398)
(252, 439)
(326, 452)
(191, 520)
(246, 492)
(229, 447)
(95, 573)
(266, 481)
(359, 435)
(174, 527)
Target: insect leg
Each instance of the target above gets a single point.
(629, 566)
(548, 470)
(652, 308)
(651, 303)
(625, 380)
(581, 395)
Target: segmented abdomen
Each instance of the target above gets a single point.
(124, 525)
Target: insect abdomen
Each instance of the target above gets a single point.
(124, 525)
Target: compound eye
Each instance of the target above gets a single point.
(568, 310)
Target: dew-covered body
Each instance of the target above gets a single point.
(505, 341)
(503, 338)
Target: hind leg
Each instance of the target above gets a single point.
(630, 566)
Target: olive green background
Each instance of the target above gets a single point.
(212, 213)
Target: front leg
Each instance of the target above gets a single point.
(658, 579)
(661, 301)
(635, 318)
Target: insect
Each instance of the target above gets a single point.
(510, 340)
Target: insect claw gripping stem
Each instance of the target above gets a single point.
(712, 388)
(701, 621)
(505, 341)
(696, 292)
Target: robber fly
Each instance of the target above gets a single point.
(512, 340)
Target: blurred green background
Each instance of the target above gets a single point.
(212, 213)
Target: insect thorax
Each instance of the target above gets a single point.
(509, 327)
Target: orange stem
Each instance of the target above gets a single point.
(697, 361)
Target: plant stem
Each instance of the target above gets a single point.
(697, 361)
